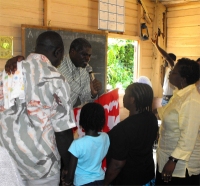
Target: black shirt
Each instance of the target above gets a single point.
(132, 140)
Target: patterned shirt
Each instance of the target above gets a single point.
(27, 128)
(13, 86)
(78, 79)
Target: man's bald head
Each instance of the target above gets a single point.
(51, 45)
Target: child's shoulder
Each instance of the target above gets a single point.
(79, 141)
(103, 134)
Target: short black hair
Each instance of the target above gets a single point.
(92, 117)
(173, 56)
(79, 43)
(143, 95)
(188, 69)
(49, 40)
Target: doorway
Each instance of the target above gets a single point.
(122, 67)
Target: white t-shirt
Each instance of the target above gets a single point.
(167, 86)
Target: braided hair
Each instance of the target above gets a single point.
(188, 69)
(143, 95)
(92, 117)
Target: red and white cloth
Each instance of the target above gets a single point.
(110, 102)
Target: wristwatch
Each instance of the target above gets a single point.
(173, 159)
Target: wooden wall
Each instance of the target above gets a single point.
(183, 30)
(13, 14)
(74, 14)
(159, 22)
(146, 47)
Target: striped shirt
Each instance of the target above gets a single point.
(27, 128)
(78, 79)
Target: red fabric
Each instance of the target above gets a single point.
(110, 102)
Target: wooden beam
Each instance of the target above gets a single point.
(146, 13)
(175, 2)
(47, 13)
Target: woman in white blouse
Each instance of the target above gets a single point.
(178, 153)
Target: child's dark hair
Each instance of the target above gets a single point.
(92, 117)
(143, 95)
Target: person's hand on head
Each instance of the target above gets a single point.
(155, 41)
(11, 64)
(95, 86)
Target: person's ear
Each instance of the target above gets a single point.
(132, 100)
(58, 52)
(183, 83)
(57, 55)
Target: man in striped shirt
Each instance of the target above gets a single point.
(73, 68)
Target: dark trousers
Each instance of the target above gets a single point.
(95, 183)
(188, 180)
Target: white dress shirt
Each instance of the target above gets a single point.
(180, 132)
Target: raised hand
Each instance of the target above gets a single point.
(155, 41)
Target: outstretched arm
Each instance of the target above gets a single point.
(11, 64)
(162, 52)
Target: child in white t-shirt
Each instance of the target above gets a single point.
(88, 152)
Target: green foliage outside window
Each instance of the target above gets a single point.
(120, 63)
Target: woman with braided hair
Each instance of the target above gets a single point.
(130, 157)
(88, 152)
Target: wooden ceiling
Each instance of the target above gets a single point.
(176, 2)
